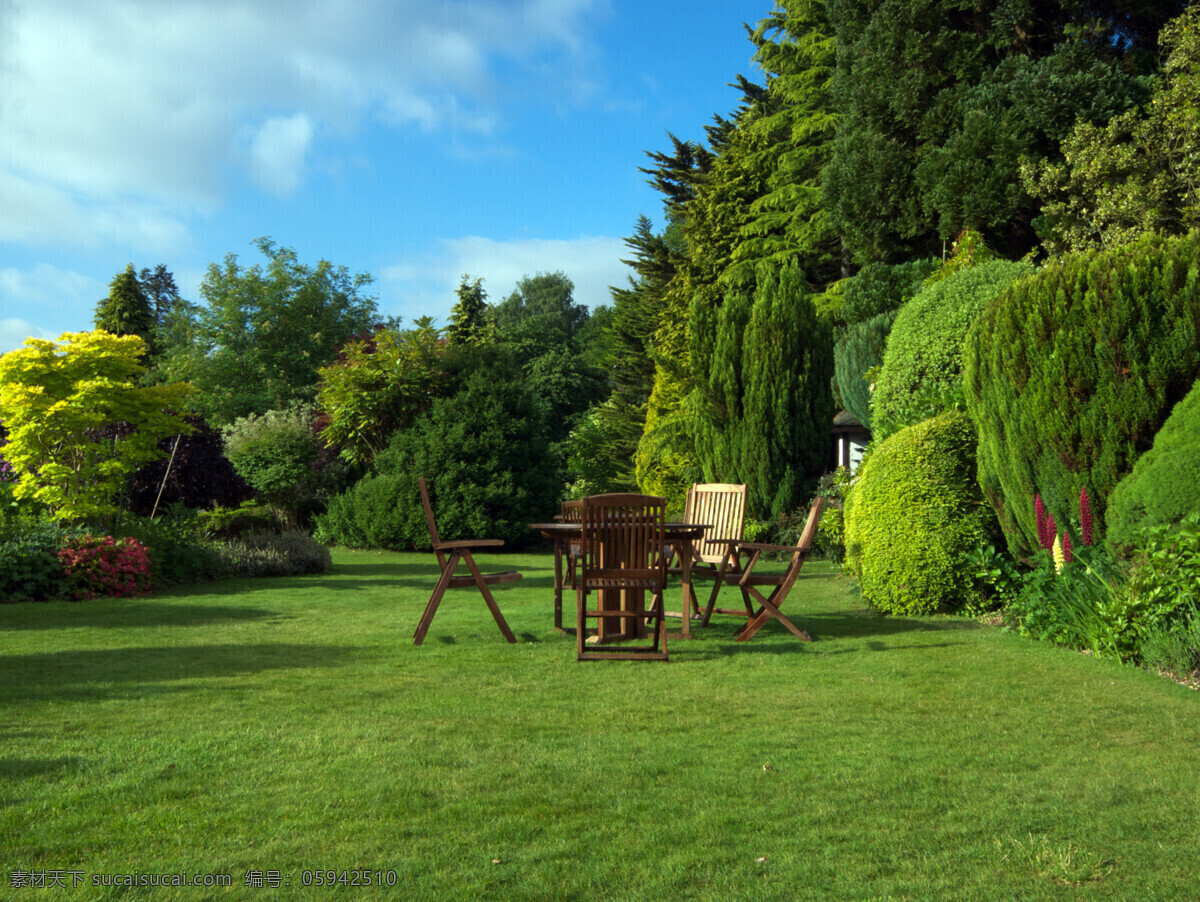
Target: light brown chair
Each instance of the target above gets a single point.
(460, 551)
(781, 583)
(722, 508)
(622, 557)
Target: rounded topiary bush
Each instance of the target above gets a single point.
(914, 514)
(1164, 486)
(880, 288)
(1071, 373)
(923, 363)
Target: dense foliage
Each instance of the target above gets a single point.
(1071, 372)
(256, 342)
(57, 398)
(765, 409)
(483, 451)
(921, 373)
(914, 515)
(1164, 486)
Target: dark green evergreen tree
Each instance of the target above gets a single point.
(161, 291)
(765, 407)
(469, 318)
(126, 310)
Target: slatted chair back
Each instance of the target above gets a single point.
(722, 506)
(572, 512)
(431, 523)
(622, 555)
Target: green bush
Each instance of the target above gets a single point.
(286, 554)
(1164, 486)
(276, 452)
(29, 566)
(857, 352)
(922, 366)
(483, 453)
(914, 515)
(879, 288)
(1086, 606)
(178, 545)
(1173, 649)
(1070, 373)
(1164, 580)
(248, 517)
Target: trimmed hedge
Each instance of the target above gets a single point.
(1164, 486)
(922, 366)
(914, 514)
(1069, 375)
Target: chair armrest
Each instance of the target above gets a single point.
(469, 543)
(759, 546)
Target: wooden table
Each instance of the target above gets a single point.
(680, 535)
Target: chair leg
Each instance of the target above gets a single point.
(487, 597)
(769, 609)
(435, 599)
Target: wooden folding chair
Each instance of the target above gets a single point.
(572, 512)
(460, 551)
(722, 508)
(622, 557)
(781, 583)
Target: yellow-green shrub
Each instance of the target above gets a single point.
(914, 514)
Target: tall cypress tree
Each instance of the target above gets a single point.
(469, 316)
(764, 406)
(126, 310)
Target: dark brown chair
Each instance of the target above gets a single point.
(622, 557)
(460, 551)
(781, 583)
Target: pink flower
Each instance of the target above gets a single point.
(1068, 557)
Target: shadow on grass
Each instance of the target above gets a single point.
(110, 613)
(96, 674)
(16, 769)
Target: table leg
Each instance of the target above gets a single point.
(685, 579)
(558, 583)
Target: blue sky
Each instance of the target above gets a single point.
(417, 140)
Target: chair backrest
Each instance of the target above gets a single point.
(433, 533)
(723, 507)
(810, 526)
(572, 512)
(622, 536)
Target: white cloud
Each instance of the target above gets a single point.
(278, 150)
(120, 107)
(425, 285)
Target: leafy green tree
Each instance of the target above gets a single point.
(262, 334)
(379, 384)
(470, 318)
(544, 326)
(126, 310)
(939, 103)
(57, 400)
(1136, 173)
(790, 141)
(276, 453)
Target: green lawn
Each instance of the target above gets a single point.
(290, 725)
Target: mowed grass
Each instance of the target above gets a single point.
(291, 726)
